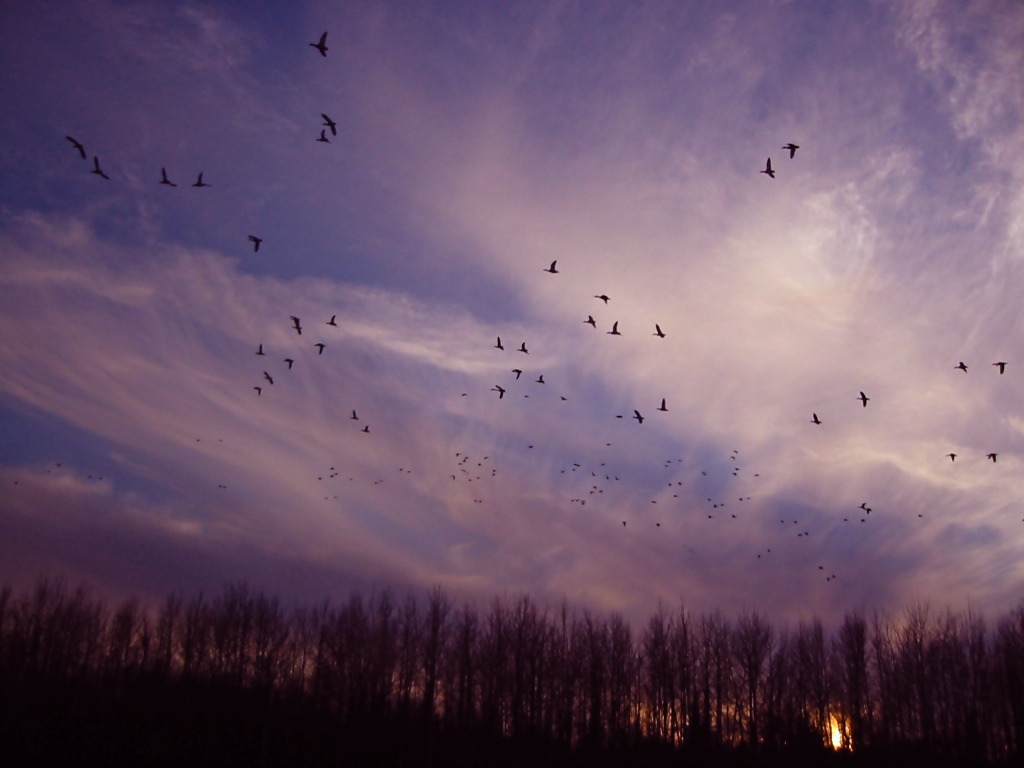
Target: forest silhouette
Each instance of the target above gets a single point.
(388, 679)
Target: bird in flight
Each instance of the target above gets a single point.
(815, 419)
(499, 389)
(637, 415)
(658, 332)
(96, 168)
(199, 181)
(952, 456)
(319, 347)
(255, 242)
(518, 372)
(962, 366)
(296, 324)
(523, 349)
(591, 321)
(540, 379)
(259, 391)
(992, 456)
(267, 377)
(323, 136)
(498, 345)
(792, 149)
(863, 400)
(1001, 366)
(663, 407)
(321, 44)
(615, 329)
(260, 350)
(77, 145)
(603, 298)
(332, 321)
(366, 428)
(552, 269)
(330, 124)
(768, 169)
(290, 362)
(164, 180)
(354, 417)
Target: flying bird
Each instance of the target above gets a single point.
(992, 456)
(333, 321)
(815, 419)
(290, 362)
(792, 149)
(321, 44)
(552, 269)
(259, 391)
(323, 136)
(500, 390)
(523, 349)
(354, 417)
(260, 350)
(591, 321)
(863, 400)
(296, 324)
(77, 145)
(658, 332)
(603, 298)
(96, 168)
(319, 347)
(366, 428)
(518, 372)
(164, 180)
(199, 181)
(267, 377)
(639, 418)
(1001, 366)
(952, 456)
(498, 345)
(330, 124)
(663, 407)
(540, 379)
(962, 366)
(615, 329)
(768, 168)
(255, 242)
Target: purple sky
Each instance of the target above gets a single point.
(476, 143)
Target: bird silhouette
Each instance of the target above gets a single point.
(260, 350)
(96, 168)
(658, 332)
(164, 180)
(267, 377)
(518, 372)
(319, 347)
(354, 416)
(523, 349)
(296, 324)
(992, 456)
(499, 345)
(962, 366)
(77, 145)
(290, 362)
(603, 298)
(259, 391)
(540, 379)
(500, 390)
(366, 428)
(792, 149)
(638, 416)
(863, 400)
(552, 269)
(768, 169)
(321, 44)
(323, 136)
(333, 321)
(199, 181)
(952, 456)
(663, 407)
(1001, 366)
(255, 242)
(615, 329)
(330, 124)
(591, 321)
(815, 419)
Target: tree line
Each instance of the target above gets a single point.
(415, 679)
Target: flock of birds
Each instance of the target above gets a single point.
(601, 481)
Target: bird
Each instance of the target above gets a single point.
(96, 168)
(603, 298)
(259, 391)
(267, 377)
(164, 180)
(333, 321)
(663, 407)
(354, 416)
(863, 400)
(319, 347)
(552, 269)
(952, 456)
(330, 124)
(523, 349)
(77, 145)
(792, 149)
(962, 366)
(260, 351)
(323, 136)
(255, 242)
(499, 345)
(591, 321)
(768, 169)
(366, 428)
(615, 329)
(290, 362)
(540, 379)
(199, 181)
(296, 324)
(815, 419)
(499, 389)
(518, 372)
(321, 44)
(992, 456)
(637, 415)
(1001, 366)
(658, 332)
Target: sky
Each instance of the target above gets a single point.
(146, 448)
